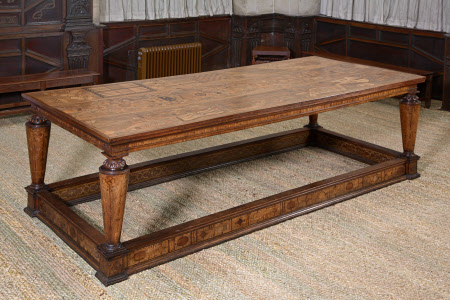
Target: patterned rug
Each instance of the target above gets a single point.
(393, 243)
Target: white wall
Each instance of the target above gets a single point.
(255, 7)
(96, 11)
(286, 7)
(297, 7)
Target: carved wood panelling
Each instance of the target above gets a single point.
(44, 35)
(418, 49)
(226, 41)
(15, 13)
(121, 41)
(30, 36)
(269, 30)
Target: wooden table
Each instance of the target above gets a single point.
(124, 117)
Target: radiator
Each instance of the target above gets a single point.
(169, 60)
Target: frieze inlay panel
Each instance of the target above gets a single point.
(39, 15)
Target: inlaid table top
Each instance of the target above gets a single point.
(112, 114)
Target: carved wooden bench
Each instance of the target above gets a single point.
(428, 74)
(40, 81)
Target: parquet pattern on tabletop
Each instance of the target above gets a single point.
(124, 109)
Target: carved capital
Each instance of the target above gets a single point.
(37, 120)
(78, 15)
(78, 8)
(114, 164)
(411, 98)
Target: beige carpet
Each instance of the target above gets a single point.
(390, 244)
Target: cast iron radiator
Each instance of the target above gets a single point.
(161, 61)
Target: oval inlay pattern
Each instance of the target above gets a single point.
(182, 241)
(139, 256)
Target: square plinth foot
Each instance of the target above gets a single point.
(118, 250)
(412, 176)
(411, 166)
(31, 212)
(111, 280)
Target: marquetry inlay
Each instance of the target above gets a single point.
(154, 112)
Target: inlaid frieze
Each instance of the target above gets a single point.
(9, 19)
(8, 4)
(44, 11)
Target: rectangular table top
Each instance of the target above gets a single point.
(148, 113)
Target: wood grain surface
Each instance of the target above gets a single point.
(139, 110)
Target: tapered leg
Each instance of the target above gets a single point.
(409, 117)
(114, 175)
(313, 121)
(38, 136)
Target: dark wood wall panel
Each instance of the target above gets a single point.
(11, 65)
(338, 47)
(326, 32)
(354, 32)
(31, 36)
(277, 30)
(420, 61)
(398, 38)
(226, 41)
(45, 35)
(40, 36)
(153, 31)
(429, 46)
(122, 40)
(149, 42)
(419, 49)
(377, 52)
(47, 11)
